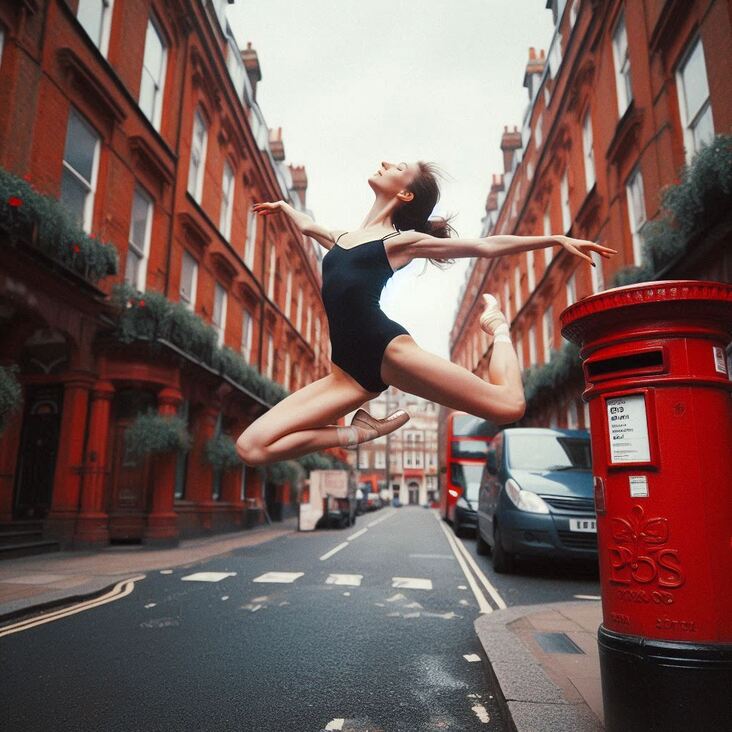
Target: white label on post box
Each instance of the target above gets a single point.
(719, 360)
(638, 486)
(628, 429)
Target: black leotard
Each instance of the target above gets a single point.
(353, 279)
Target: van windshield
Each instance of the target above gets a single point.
(467, 476)
(549, 452)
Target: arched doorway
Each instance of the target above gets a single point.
(413, 488)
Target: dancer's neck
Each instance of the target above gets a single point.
(379, 217)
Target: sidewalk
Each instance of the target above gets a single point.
(29, 584)
(545, 660)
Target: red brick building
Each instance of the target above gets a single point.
(625, 96)
(141, 118)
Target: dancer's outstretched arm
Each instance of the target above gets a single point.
(425, 245)
(305, 223)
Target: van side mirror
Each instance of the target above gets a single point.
(490, 463)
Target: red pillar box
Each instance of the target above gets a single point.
(660, 399)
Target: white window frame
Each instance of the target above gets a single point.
(538, 130)
(530, 270)
(251, 238)
(298, 323)
(689, 122)
(270, 356)
(308, 328)
(517, 286)
(197, 162)
(532, 345)
(548, 251)
(272, 267)
(157, 111)
(247, 326)
(573, 12)
(587, 149)
(235, 67)
(143, 254)
(286, 377)
(363, 459)
(634, 191)
(288, 294)
(598, 279)
(547, 326)
(571, 289)
(566, 212)
(90, 185)
(220, 304)
(621, 61)
(379, 459)
(106, 25)
(228, 182)
(507, 299)
(190, 303)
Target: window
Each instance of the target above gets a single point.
(520, 353)
(79, 175)
(379, 459)
(636, 212)
(530, 270)
(529, 171)
(246, 336)
(95, 17)
(517, 286)
(548, 332)
(188, 281)
(272, 266)
(153, 74)
(227, 201)
(219, 313)
(138, 249)
(548, 251)
(310, 322)
(694, 103)
(288, 294)
(532, 345)
(270, 356)
(507, 300)
(363, 459)
(286, 378)
(251, 237)
(236, 67)
(317, 339)
(573, 12)
(198, 157)
(622, 66)
(538, 129)
(571, 291)
(598, 281)
(572, 415)
(566, 215)
(220, 8)
(588, 151)
(298, 324)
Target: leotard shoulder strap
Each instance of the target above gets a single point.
(393, 233)
(339, 236)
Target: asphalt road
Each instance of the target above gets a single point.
(369, 628)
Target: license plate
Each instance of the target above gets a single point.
(583, 525)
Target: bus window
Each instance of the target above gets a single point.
(465, 425)
(470, 449)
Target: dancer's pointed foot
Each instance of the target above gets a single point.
(492, 318)
(370, 428)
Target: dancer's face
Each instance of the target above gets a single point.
(392, 179)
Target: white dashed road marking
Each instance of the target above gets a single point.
(482, 713)
(333, 551)
(208, 576)
(412, 583)
(357, 534)
(335, 724)
(278, 577)
(588, 597)
(354, 580)
(472, 657)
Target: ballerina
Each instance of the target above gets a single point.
(369, 351)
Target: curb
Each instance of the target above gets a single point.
(529, 700)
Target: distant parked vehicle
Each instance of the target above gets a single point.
(536, 496)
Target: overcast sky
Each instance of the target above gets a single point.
(354, 82)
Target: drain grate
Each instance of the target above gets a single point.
(557, 643)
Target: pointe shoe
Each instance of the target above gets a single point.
(378, 427)
(492, 316)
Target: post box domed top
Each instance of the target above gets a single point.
(659, 300)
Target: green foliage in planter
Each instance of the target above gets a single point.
(154, 433)
(701, 196)
(541, 381)
(22, 208)
(282, 471)
(11, 394)
(220, 452)
(151, 316)
(315, 461)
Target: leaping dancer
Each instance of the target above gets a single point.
(369, 351)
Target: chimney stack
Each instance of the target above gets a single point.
(534, 70)
(299, 181)
(276, 146)
(251, 64)
(510, 141)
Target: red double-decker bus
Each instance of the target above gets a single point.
(462, 443)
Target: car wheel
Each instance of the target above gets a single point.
(501, 559)
(481, 545)
(457, 529)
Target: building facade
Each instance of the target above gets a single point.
(626, 95)
(410, 451)
(140, 118)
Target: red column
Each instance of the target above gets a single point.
(9, 443)
(162, 521)
(92, 527)
(63, 514)
(200, 472)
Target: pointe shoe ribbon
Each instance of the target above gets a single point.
(492, 317)
(378, 427)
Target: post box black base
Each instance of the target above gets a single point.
(650, 685)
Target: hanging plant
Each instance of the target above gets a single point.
(152, 433)
(314, 461)
(11, 394)
(220, 452)
(282, 471)
(541, 382)
(29, 217)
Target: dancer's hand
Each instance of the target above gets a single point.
(266, 207)
(581, 246)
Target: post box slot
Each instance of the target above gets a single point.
(643, 362)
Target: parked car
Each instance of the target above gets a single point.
(360, 501)
(465, 514)
(536, 496)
